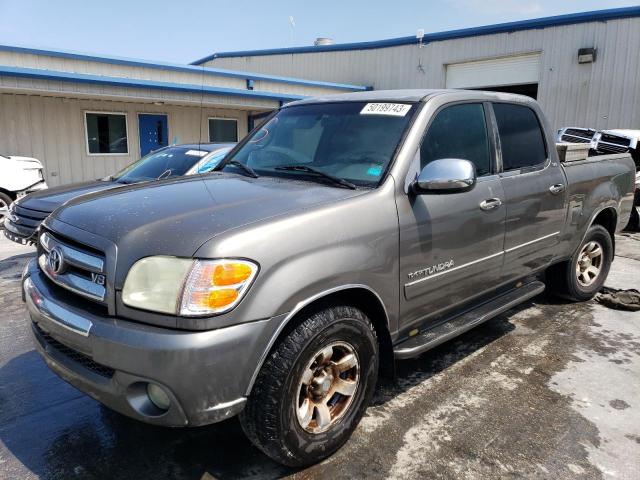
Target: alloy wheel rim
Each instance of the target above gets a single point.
(327, 387)
(4, 210)
(589, 263)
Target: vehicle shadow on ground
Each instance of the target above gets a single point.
(412, 372)
(57, 432)
(15, 261)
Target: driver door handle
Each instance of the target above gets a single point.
(557, 188)
(490, 203)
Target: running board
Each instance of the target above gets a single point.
(433, 337)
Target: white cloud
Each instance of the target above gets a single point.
(524, 7)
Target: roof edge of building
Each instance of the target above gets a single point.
(39, 74)
(530, 24)
(191, 68)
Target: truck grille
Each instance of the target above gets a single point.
(73, 267)
(577, 135)
(83, 360)
(613, 144)
(27, 220)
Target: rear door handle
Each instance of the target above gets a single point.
(490, 203)
(557, 188)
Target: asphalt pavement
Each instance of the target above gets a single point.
(547, 390)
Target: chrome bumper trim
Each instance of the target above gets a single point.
(54, 312)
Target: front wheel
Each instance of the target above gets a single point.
(583, 276)
(5, 201)
(314, 387)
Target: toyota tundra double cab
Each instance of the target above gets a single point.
(345, 233)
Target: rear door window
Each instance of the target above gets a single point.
(458, 131)
(521, 137)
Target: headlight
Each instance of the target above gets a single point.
(155, 283)
(187, 287)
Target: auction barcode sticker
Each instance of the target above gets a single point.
(196, 153)
(393, 109)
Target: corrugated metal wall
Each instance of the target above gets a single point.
(605, 94)
(52, 130)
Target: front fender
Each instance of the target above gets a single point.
(351, 242)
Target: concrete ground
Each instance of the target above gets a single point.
(547, 390)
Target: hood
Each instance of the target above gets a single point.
(50, 199)
(26, 162)
(176, 216)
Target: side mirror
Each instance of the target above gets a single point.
(447, 175)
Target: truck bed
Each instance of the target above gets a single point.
(590, 182)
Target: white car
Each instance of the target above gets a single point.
(18, 176)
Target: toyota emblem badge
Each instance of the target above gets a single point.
(56, 261)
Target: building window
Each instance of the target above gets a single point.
(106, 133)
(223, 130)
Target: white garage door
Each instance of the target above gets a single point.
(516, 70)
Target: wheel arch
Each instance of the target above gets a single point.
(355, 295)
(607, 217)
(11, 195)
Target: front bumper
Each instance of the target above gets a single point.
(41, 185)
(206, 374)
(19, 234)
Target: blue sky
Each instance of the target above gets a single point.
(187, 30)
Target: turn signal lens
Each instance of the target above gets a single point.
(216, 286)
(222, 298)
(231, 274)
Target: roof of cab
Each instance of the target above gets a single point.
(411, 95)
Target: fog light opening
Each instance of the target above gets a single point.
(158, 396)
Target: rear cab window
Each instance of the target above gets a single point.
(521, 137)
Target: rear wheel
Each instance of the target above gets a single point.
(313, 388)
(583, 276)
(5, 201)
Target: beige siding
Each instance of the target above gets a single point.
(52, 130)
(605, 94)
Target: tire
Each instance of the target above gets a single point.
(5, 201)
(281, 418)
(574, 279)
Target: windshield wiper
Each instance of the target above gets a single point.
(125, 181)
(320, 173)
(165, 174)
(245, 168)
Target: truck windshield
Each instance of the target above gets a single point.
(352, 141)
(165, 163)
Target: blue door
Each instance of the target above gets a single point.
(153, 132)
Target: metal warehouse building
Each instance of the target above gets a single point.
(583, 68)
(87, 116)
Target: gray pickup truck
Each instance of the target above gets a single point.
(345, 233)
